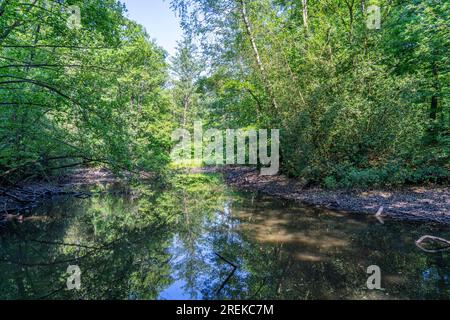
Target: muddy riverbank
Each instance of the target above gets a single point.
(430, 204)
(25, 197)
(423, 204)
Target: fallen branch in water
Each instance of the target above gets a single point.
(235, 267)
(424, 239)
(23, 199)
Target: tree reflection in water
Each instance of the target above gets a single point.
(182, 242)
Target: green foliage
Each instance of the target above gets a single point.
(186, 69)
(356, 107)
(79, 96)
(391, 174)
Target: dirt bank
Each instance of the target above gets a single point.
(426, 204)
(430, 204)
(25, 197)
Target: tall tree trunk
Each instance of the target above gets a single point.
(350, 6)
(434, 107)
(305, 13)
(434, 99)
(364, 14)
(248, 29)
(186, 109)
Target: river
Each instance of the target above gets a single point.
(199, 239)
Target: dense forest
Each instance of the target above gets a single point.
(93, 204)
(77, 96)
(358, 104)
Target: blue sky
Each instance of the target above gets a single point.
(159, 21)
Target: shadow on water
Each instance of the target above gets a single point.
(200, 240)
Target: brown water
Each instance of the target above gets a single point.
(200, 240)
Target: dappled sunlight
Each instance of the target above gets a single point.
(309, 257)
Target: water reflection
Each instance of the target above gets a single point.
(199, 240)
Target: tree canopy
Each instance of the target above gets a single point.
(79, 94)
(357, 105)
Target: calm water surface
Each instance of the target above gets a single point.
(200, 240)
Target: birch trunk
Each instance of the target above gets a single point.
(305, 13)
(248, 29)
